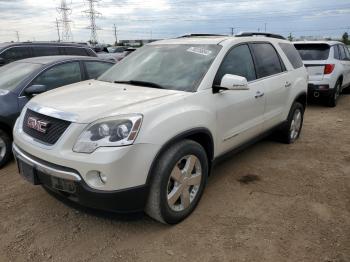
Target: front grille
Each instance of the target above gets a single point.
(53, 130)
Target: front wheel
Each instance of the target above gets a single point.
(291, 131)
(5, 148)
(178, 182)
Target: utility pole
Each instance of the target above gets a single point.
(58, 31)
(265, 27)
(92, 13)
(65, 11)
(115, 34)
(232, 30)
(17, 34)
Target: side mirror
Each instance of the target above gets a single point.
(232, 82)
(2, 61)
(35, 90)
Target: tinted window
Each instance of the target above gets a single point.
(45, 50)
(59, 75)
(292, 55)
(16, 53)
(76, 51)
(239, 62)
(313, 51)
(342, 52)
(336, 52)
(13, 74)
(95, 69)
(267, 60)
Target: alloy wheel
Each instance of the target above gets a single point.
(295, 124)
(2, 148)
(184, 183)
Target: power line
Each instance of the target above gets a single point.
(93, 14)
(65, 11)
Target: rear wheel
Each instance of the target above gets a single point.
(178, 182)
(333, 99)
(5, 148)
(291, 131)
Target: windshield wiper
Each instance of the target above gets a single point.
(140, 83)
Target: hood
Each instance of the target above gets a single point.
(91, 100)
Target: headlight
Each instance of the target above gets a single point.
(108, 132)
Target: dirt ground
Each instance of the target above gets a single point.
(296, 209)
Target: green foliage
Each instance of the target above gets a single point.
(345, 38)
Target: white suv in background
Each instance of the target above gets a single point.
(328, 64)
(144, 135)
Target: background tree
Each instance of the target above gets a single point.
(290, 37)
(346, 38)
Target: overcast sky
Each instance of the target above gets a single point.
(144, 19)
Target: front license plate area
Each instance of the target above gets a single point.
(28, 172)
(63, 185)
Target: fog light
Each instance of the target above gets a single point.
(96, 178)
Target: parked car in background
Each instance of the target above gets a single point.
(328, 64)
(159, 121)
(116, 53)
(10, 52)
(21, 80)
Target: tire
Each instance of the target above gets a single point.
(172, 198)
(292, 129)
(333, 99)
(5, 148)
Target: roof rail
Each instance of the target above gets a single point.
(245, 34)
(200, 35)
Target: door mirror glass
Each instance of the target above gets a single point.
(35, 90)
(234, 82)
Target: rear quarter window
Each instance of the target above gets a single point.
(292, 55)
(313, 51)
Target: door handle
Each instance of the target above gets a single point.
(259, 94)
(288, 84)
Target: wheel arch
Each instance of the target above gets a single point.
(200, 135)
(302, 99)
(6, 128)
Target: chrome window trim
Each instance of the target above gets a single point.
(52, 171)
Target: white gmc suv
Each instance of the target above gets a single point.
(328, 65)
(144, 135)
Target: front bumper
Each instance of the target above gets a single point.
(68, 183)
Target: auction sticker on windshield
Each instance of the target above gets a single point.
(199, 51)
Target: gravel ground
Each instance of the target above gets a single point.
(294, 207)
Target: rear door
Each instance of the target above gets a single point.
(315, 58)
(272, 74)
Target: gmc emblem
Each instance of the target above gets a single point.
(37, 124)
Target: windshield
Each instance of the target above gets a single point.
(175, 67)
(13, 74)
(313, 51)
